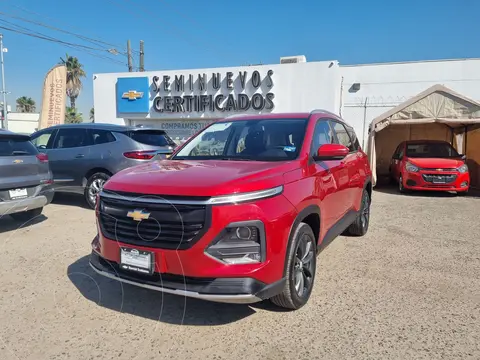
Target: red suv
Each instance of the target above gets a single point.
(429, 165)
(239, 212)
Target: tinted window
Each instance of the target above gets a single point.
(43, 139)
(431, 150)
(353, 137)
(71, 138)
(262, 140)
(152, 137)
(11, 146)
(101, 136)
(321, 135)
(342, 135)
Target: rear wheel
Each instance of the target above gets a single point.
(94, 185)
(360, 226)
(27, 215)
(300, 272)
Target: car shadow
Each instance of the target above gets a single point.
(153, 305)
(70, 199)
(393, 190)
(7, 223)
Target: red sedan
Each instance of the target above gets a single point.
(429, 165)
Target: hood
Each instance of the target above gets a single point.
(436, 163)
(199, 178)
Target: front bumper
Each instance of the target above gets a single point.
(417, 181)
(227, 290)
(26, 204)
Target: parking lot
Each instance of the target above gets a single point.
(410, 289)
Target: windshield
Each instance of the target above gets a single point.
(431, 150)
(260, 140)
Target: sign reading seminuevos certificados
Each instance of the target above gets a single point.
(165, 101)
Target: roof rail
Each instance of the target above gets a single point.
(317, 111)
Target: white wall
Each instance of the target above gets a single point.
(387, 85)
(297, 87)
(23, 122)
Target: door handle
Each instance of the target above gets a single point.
(79, 156)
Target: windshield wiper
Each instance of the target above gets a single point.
(235, 159)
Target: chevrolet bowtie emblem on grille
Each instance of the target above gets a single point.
(138, 215)
(132, 95)
(439, 169)
(18, 161)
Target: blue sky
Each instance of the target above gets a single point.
(210, 33)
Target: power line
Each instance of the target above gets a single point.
(193, 43)
(80, 47)
(85, 38)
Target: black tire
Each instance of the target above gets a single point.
(360, 226)
(291, 298)
(27, 215)
(94, 185)
(401, 188)
(462, 193)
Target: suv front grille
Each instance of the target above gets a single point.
(168, 226)
(439, 178)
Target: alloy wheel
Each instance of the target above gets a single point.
(304, 265)
(95, 187)
(365, 215)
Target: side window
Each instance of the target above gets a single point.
(401, 151)
(71, 138)
(321, 135)
(44, 139)
(342, 135)
(354, 139)
(98, 137)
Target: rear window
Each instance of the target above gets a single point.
(12, 146)
(152, 138)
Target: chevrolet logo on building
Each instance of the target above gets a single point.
(138, 215)
(132, 95)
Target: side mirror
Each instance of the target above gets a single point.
(331, 152)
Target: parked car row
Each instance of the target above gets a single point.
(241, 223)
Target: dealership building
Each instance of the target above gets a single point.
(184, 101)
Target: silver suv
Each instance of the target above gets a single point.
(84, 156)
(25, 177)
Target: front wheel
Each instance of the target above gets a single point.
(401, 188)
(94, 185)
(300, 272)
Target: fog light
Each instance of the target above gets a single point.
(464, 184)
(239, 243)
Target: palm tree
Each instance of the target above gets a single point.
(92, 114)
(75, 73)
(72, 116)
(25, 104)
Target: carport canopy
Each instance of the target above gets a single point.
(437, 113)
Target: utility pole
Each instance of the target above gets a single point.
(4, 91)
(142, 53)
(129, 53)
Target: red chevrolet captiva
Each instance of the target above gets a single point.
(239, 212)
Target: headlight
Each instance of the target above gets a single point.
(410, 167)
(241, 197)
(463, 169)
(240, 243)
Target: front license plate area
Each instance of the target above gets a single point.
(138, 261)
(18, 194)
(439, 180)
